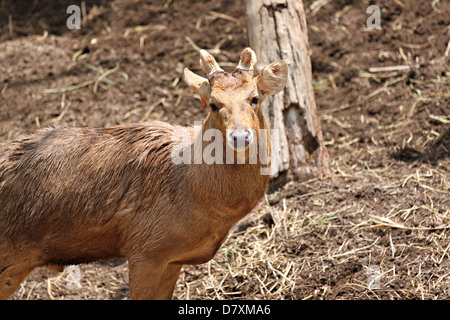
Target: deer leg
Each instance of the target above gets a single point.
(11, 276)
(168, 281)
(145, 277)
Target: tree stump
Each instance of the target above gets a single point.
(277, 30)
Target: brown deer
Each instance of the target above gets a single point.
(77, 195)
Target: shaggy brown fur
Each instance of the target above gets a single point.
(75, 195)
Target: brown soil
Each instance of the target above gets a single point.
(386, 205)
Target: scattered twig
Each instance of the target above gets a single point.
(390, 68)
(224, 16)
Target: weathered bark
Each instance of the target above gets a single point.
(277, 30)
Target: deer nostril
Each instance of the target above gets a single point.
(240, 138)
(248, 137)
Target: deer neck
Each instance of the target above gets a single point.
(236, 186)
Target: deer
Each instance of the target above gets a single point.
(72, 195)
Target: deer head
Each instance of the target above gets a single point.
(235, 98)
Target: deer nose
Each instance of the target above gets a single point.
(240, 138)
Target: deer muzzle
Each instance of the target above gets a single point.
(240, 138)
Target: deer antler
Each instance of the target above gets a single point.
(208, 63)
(248, 60)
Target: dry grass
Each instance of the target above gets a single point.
(327, 249)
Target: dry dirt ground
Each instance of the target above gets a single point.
(376, 228)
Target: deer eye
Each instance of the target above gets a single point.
(255, 100)
(213, 107)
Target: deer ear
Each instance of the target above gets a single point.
(198, 84)
(272, 78)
